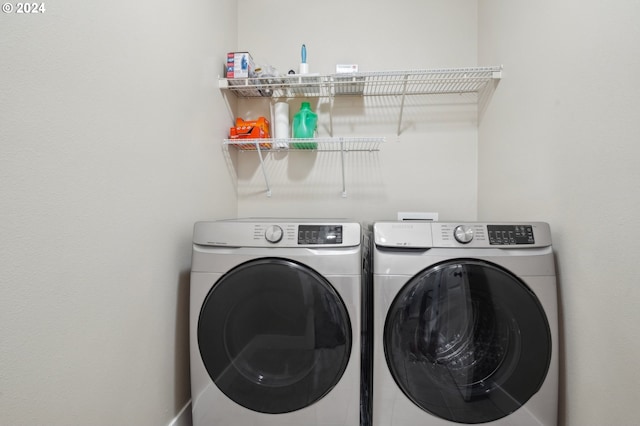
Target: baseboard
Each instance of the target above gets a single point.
(184, 417)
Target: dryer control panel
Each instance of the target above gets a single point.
(319, 234)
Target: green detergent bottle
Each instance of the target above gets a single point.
(304, 126)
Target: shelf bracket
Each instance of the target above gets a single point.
(344, 186)
(264, 170)
(331, 99)
(404, 95)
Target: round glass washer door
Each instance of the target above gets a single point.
(274, 335)
(467, 341)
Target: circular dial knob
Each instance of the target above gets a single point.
(463, 234)
(273, 234)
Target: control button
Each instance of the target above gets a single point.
(273, 234)
(463, 234)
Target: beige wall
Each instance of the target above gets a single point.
(110, 119)
(430, 167)
(111, 132)
(559, 143)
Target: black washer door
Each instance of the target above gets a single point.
(274, 335)
(467, 341)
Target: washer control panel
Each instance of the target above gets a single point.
(426, 235)
(456, 234)
(510, 234)
(463, 234)
(273, 233)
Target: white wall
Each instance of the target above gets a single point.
(110, 127)
(560, 142)
(110, 149)
(430, 167)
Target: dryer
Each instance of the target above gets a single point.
(275, 315)
(465, 324)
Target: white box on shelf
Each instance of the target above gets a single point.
(239, 64)
(342, 68)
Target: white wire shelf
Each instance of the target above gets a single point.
(445, 81)
(342, 145)
(380, 83)
(313, 144)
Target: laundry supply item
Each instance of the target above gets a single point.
(304, 66)
(305, 123)
(239, 64)
(282, 129)
(252, 129)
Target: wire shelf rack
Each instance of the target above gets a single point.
(380, 83)
(342, 145)
(316, 144)
(442, 81)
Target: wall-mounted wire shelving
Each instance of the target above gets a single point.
(444, 81)
(342, 145)
(379, 83)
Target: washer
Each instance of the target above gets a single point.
(465, 324)
(275, 315)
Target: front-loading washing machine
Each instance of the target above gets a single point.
(465, 324)
(275, 323)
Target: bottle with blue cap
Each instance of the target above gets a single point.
(304, 66)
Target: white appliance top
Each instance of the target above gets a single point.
(272, 232)
(425, 234)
